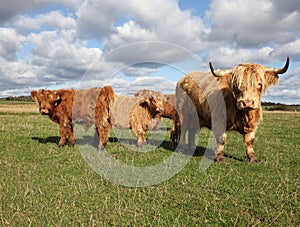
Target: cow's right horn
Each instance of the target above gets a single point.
(285, 68)
(218, 73)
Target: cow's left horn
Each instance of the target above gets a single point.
(285, 68)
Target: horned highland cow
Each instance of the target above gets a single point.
(224, 100)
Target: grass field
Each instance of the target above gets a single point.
(43, 185)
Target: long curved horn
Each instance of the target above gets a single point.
(213, 71)
(279, 70)
(220, 73)
(285, 68)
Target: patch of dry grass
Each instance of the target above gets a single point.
(11, 107)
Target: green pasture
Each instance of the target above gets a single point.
(43, 185)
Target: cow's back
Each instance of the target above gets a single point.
(84, 105)
(122, 108)
(210, 98)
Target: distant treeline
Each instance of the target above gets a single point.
(18, 98)
(270, 106)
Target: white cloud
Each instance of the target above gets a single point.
(167, 24)
(128, 33)
(10, 43)
(96, 18)
(62, 54)
(19, 74)
(253, 23)
(291, 49)
(52, 20)
(152, 83)
(11, 8)
(227, 57)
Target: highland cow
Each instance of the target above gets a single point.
(224, 100)
(86, 107)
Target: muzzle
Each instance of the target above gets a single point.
(44, 111)
(246, 104)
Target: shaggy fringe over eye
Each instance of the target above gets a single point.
(248, 77)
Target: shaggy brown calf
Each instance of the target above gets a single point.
(137, 114)
(224, 100)
(169, 112)
(86, 107)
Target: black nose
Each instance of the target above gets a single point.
(44, 111)
(247, 104)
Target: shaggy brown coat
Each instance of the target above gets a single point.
(86, 107)
(136, 113)
(228, 101)
(169, 112)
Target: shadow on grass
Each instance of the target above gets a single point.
(199, 152)
(50, 139)
(234, 158)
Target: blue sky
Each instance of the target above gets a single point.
(150, 44)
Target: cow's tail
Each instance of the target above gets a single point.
(103, 114)
(109, 93)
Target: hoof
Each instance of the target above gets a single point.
(219, 158)
(100, 147)
(61, 145)
(141, 144)
(251, 159)
(71, 144)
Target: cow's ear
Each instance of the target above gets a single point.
(145, 102)
(150, 100)
(34, 95)
(271, 79)
(53, 97)
(57, 97)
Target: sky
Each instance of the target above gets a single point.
(137, 44)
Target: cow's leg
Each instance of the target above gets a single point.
(71, 135)
(181, 142)
(219, 153)
(248, 141)
(155, 123)
(174, 134)
(63, 134)
(183, 128)
(103, 133)
(141, 137)
(191, 139)
(193, 129)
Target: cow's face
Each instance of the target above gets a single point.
(155, 103)
(248, 81)
(46, 99)
(247, 84)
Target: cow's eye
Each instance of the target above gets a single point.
(260, 86)
(238, 91)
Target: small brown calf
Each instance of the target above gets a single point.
(86, 107)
